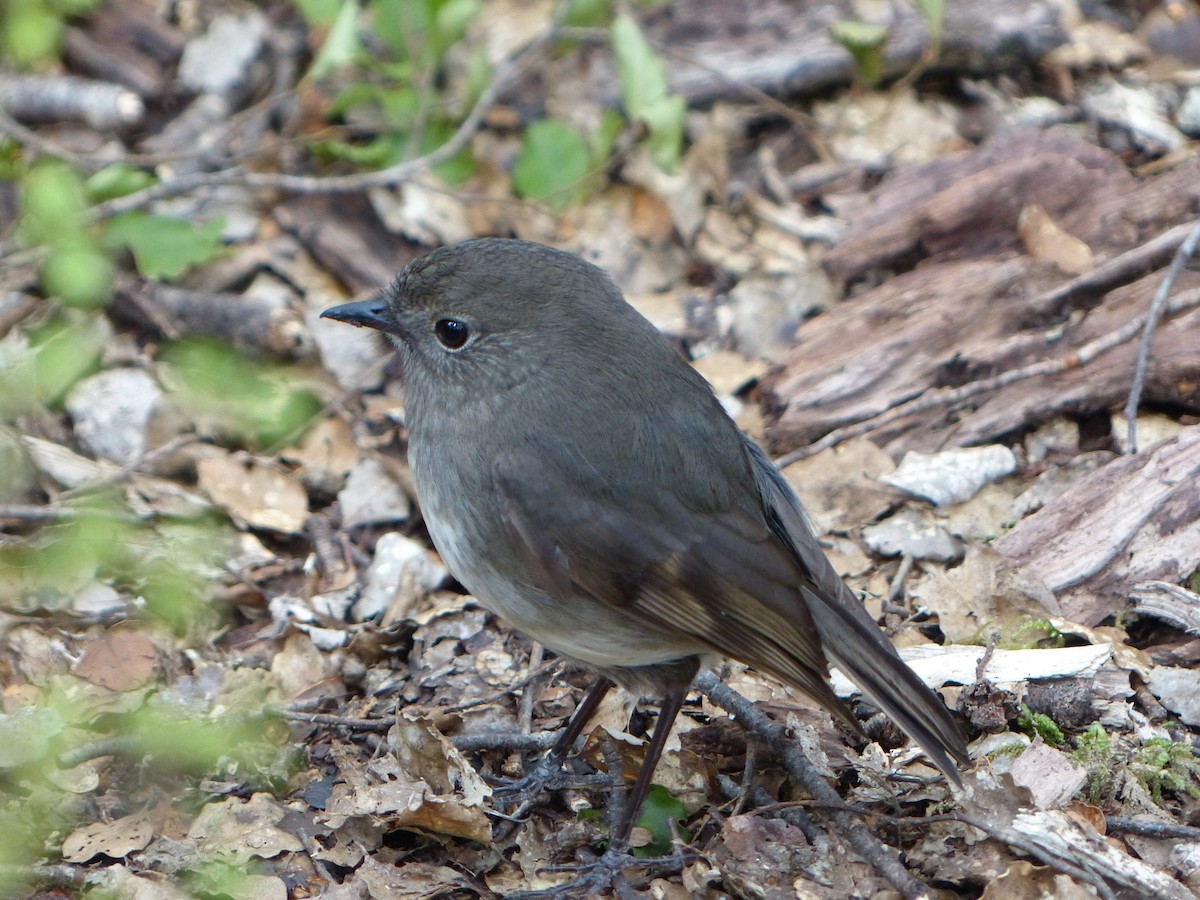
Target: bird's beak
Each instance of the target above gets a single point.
(364, 313)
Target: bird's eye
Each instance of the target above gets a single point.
(453, 333)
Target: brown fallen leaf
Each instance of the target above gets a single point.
(255, 495)
(115, 839)
(121, 659)
(1045, 239)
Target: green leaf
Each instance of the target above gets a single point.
(589, 13)
(117, 181)
(163, 246)
(933, 11)
(78, 272)
(864, 41)
(319, 13)
(661, 814)
(30, 32)
(52, 203)
(643, 79)
(552, 164)
(67, 348)
(341, 45)
(259, 403)
(457, 168)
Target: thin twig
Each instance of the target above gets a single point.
(337, 184)
(867, 845)
(1182, 255)
(504, 740)
(1148, 828)
(330, 721)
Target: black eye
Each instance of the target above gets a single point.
(453, 333)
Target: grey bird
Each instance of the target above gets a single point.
(583, 482)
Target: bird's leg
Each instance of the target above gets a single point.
(671, 705)
(534, 781)
(603, 872)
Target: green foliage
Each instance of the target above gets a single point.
(1163, 766)
(589, 13)
(1033, 634)
(865, 42)
(257, 403)
(1039, 725)
(552, 165)
(63, 350)
(164, 246)
(644, 93)
(392, 52)
(76, 268)
(1094, 752)
(31, 31)
(115, 181)
(662, 815)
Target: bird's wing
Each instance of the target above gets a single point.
(710, 570)
(852, 639)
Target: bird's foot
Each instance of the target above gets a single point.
(545, 776)
(603, 876)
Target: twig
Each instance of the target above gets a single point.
(867, 845)
(896, 588)
(932, 399)
(331, 721)
(303, 184)
(118, 746)
(1182, 255)
(1149, 828)
(504, 740)
(1012, 838)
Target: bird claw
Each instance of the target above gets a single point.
(597, 877)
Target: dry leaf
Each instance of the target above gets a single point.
(121, 659)
(254, 495)
(1044, 239)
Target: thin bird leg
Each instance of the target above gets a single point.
(671, 705)
(535, 781)
(583, 713)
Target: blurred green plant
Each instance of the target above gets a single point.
(865, 42)
(390, 55)
(254, 403)
(31, 31)
(644, 93)
(78, 267)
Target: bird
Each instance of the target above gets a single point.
(583, 482)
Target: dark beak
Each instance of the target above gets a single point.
(364, 313)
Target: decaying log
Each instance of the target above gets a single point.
(1135, 519)
(972, 303)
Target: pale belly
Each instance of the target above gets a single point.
(580, 628)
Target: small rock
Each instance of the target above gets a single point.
(371, 496)
(913, 533)
(401, 573)
(1178, 690)
(220, 60)
(953, 476)
(111, 411)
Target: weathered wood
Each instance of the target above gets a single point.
(1135, 519)
(978, 304)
